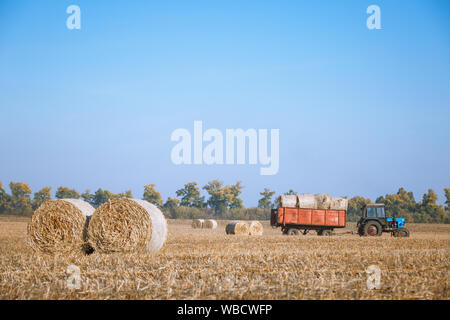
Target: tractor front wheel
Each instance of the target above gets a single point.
(372, 229)
(402, 233)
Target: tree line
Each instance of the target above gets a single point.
(223, 202)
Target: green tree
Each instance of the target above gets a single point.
(190, 196)
(447, 199)
(5, 200)
(217, 200)
(171, 203)
(102, 196)
(232, 194)
(290, 193)
(152, 196)
(66, 193)
(20, 199)
(88, 197)
(126, 194)
(401, 204)
(354, 207)
(432, 212)
(266, 201)
(41, 196)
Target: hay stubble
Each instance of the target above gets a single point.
(198, 265)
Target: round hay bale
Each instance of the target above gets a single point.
(307, 201)
(339, 203)
(59, 226)
(237, 227)
(127, 225)
(323, 201)
(210, 224)
(198, 223)
(255, 228)
(288, 201)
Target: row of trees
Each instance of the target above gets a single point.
(223, 202)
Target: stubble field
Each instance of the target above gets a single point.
(208, 264)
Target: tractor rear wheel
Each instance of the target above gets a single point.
(372, 229)
(292, 232)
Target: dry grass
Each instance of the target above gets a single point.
(208, 264)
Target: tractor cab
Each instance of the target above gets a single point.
(374, 222)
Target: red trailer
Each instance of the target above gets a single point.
(292, 220)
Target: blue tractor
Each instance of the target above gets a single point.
(374, 222)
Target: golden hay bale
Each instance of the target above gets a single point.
(210, 224)
(323, 201)
(127, 225)
(59, 226)
(237, 227)
(198, 223)
(255, 228)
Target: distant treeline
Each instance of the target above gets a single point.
(223, 202)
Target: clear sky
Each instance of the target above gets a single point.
(360, 112)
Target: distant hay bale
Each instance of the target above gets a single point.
(323, 201)
(237, 227)
(210, 224)
(59, 226)
(127, 225)
(198, 223)
(255, 228)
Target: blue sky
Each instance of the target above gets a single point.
(360, 112)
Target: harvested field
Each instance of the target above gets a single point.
(208, 264)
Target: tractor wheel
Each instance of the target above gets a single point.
(327, 232)
(372, 229)
(403, 233)
(292, 232)
(361, 231)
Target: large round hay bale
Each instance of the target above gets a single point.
(307, 201)
(59, 226)
(127, 225)
(210, 224)
(323, 201)
(197, 223)
(237, 227)
(288, 201)
(255, 228)
(339, 203)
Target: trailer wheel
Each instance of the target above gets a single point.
(292, 232)
(372, 229)
(320, 232)
(327, 232)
